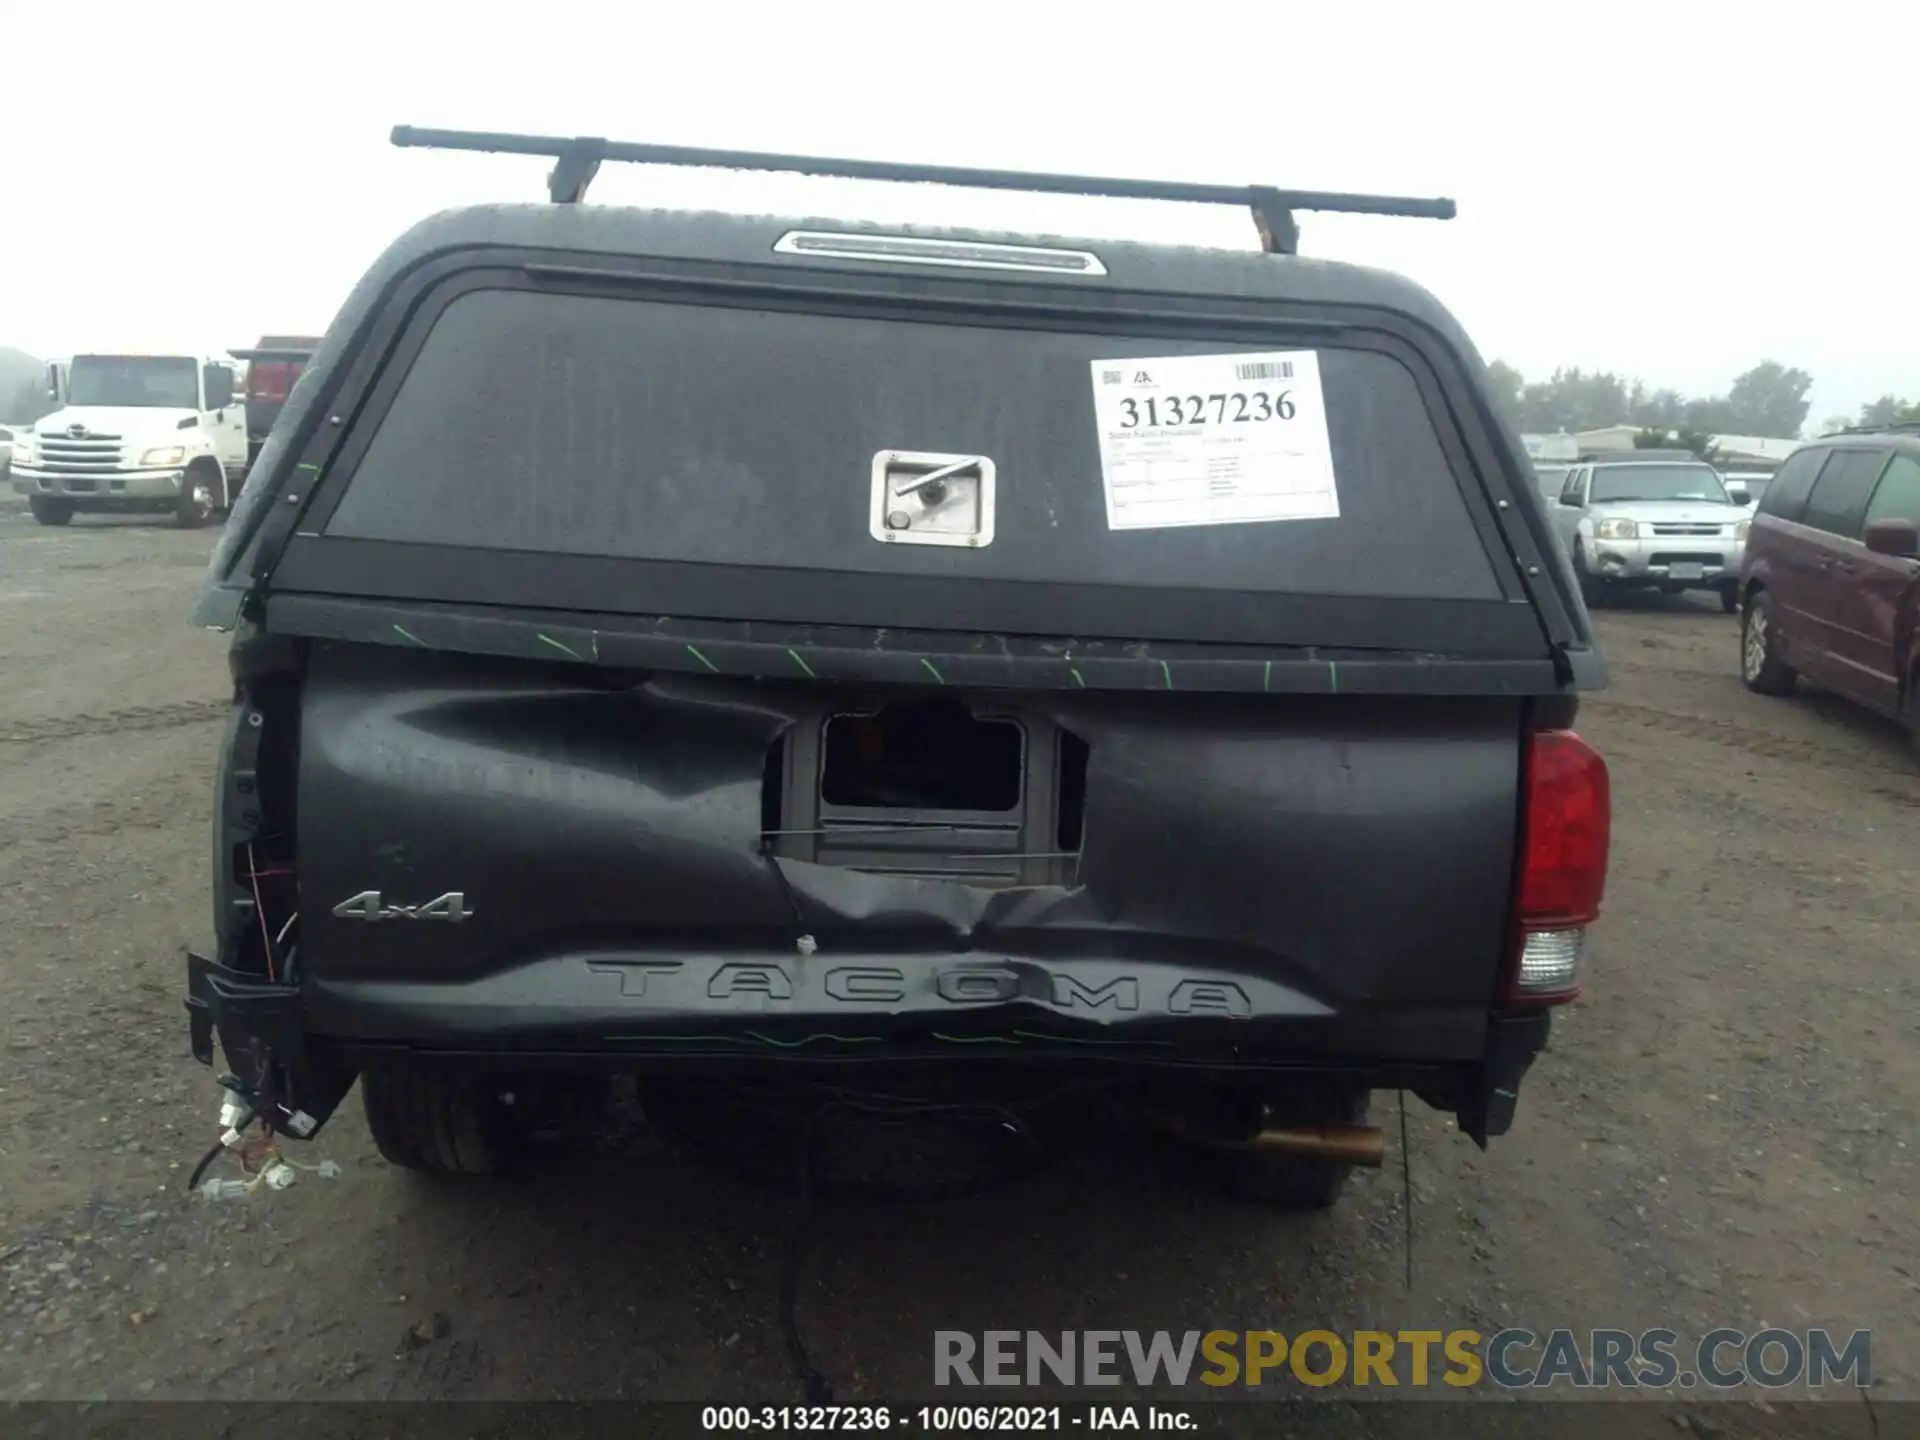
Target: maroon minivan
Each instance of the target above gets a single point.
(1830, 588)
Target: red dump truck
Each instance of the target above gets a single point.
(272, 367)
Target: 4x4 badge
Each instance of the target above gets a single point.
(367, 905)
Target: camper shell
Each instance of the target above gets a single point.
(363, 510)
(572, 569)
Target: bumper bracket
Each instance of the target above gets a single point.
(1514, 1041)
(294, 1084)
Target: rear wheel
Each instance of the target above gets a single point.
(50, 512)
(1297, 1182)
(1910, 711)
(1761, 668)
(197, 500)
(441, 1122)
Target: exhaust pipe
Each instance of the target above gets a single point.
(1348, 1144)
(1344, 1144)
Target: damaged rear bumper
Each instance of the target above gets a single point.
(297, 1047)
(495, 865)
(272, 1060)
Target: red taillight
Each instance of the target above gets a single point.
(1565, 827)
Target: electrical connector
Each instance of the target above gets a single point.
(279, 1176)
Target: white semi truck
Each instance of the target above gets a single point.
(134, 432)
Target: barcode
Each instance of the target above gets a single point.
(1264, 370)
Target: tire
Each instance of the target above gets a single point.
(50, 512)
(1761, 669)
(1910, 712)
(440, 1122)
(199, 498)
(1297, 1182)
(1592, 589)
(1730, 599)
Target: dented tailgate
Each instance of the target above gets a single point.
(1289, 875)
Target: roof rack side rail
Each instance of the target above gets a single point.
(1890, 427)
(577, 160)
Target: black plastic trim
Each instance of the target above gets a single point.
(367, 569)
(893, 654)
(1514, 1041)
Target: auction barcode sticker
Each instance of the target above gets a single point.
(1214, 440)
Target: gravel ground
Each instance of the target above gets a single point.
(1723, 1133)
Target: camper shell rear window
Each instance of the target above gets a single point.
(588, 425)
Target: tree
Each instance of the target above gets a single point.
(18, 404)
(1573, 399)
(1889, 410)
(23, 387)
(1698, 441)
(1661, 410)
(1715, 414)
(1507, 384)
(1770, 399)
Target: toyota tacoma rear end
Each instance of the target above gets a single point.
(733, 651)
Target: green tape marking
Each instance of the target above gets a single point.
(310, 469)
(566, 650)
(809, 1039)
(408, 636)
(694, 651)
(1266, 677)
(1166, 672)
(754, 1037)
(1333, 677)
(801, 661)
(1082, 1040)
(1077, 678)
(938, 677)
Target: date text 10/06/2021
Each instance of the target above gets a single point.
(945, 1419)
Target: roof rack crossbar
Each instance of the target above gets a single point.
(276, 352)
(577, 160)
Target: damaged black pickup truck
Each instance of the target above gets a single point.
(882, 663)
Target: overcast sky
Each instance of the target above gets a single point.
(1672, 190)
